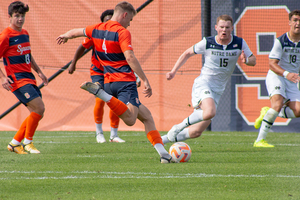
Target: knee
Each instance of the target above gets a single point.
(209, 115)
(130, 121)
(297, 113)
(277, 106)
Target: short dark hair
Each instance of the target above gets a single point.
(294, 12)
(105, 13)
(125, 6)
(225, 18)
(17, 7)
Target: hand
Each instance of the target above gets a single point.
(44, 78)
(62, 39)
(6, 83)
(243, 57)
(147, 89)
(170, 75)
(72, 68)
(293, 77)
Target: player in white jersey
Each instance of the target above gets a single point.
(221, 53)
(281, 81)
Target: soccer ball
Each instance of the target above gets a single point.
(180, 151)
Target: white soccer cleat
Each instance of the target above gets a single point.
(92, 88)
(117, 140)
(100, 138)
(172, 134)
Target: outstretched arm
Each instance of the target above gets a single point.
(74, 33)
(181, 60)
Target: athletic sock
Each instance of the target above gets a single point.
(19, 136)
(32, 123)
(117, 106)
(195, 117)
(114, 120)
(103, 95)
(26, 141)
(98, 110)
(113, 132)
(99, 128)
(266, 124)
(183, 135)
(286, 112)
(156, 141)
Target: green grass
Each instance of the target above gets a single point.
(223, 166)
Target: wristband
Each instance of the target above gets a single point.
(247, 60)
(285, 73)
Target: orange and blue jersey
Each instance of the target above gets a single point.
(111, 40)
(96, 68)
(16, 52)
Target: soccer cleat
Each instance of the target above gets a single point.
(116, 139)
(100, 138)
(172, 134)
(262, 143)
(93, 88)
(164, 160)
(18, 149)
(258, 121)
(30, 148)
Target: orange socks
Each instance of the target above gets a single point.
(21, 132)
(98, 111)
(32, 123)
(114, 119)
(117, 106)
(154, 137)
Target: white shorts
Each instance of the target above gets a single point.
(280, 85)
(201, 91)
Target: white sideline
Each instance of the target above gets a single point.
(136, 175)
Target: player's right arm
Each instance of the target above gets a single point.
(74, 33)
(4, 44)
(181, 61)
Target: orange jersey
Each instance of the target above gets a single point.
(111, 40)
(16, 52)
(96, 67)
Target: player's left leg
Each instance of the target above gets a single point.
(98, 117)
(193, 131)
(153, 135)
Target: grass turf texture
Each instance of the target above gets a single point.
(223, 166)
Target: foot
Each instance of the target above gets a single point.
(170, 159)
(93, 88)
(258, 121)
(30, 148)
(262, 143)
(116, 139)
(100, 138)
(18, 149)
(172, 134)
(165, 139)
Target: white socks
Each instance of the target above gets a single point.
(195, 117)
(286, 112)
(183, 135)
(103, 95)
(99, 128)
(113, 132)
(266, 124)
(161, 150)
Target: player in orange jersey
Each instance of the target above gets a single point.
(115, 53)
(97, 75)
(18, 61)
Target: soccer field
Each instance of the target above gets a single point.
(224, 165)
